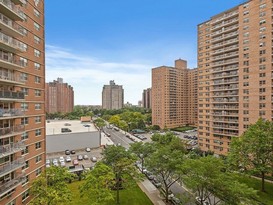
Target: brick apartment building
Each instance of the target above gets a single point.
(22, 84)
(112, 96)
(59, 97)
(174, 95)
(147, 98)
(235, 73)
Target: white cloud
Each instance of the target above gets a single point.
(87, 75)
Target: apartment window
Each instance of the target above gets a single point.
(246, 70)
(246, 34)
(262, 36)
(262, 90)
(246, 126)
(246, 20)
(37, 79)
(26, 181)
(37, 53)
(25, 91)
(246, 91)
(262, 6)
(245, 28)
(36, 39)
(24, 121)
(246, 112)
(23, 62)
(262, 75)
(261, 53)
(38, 106)
(23, 31)
(36, 2)
(262, 97)
(26, 165)
(25, 195)
(38, 132)
(38, 119)
(261, 113)
(262, 13)
(36, 13)
(262, 22)
(262, 44)
(246, 12)
(245, 98)
(36, 26)
(245, 105)
(246, 63)
(262, 82)
(24, 76)
(262, 105)
(24, 106)
(38, 171)
(38, 145)
(262, 29)
(12, 202)
(245, 5)
(262, 67)
(24, 151)
(37, 66)
(245, 41)
(246, 55)
(246, 119)
(38, 159)
(24, 136)
(246, 84)
(23, 46)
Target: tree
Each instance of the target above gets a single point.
(142, 150)
(98, 183)
(122, 164)
(51, 188)
(166, 160)
(207, 176)
(253, 151)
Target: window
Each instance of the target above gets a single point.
(38, 93)
(37, 66)
(24, 136)
(262, 29)
(262, 105)
(262, 6)
(263, 13)
(26, 180)
(24, 76)
(262, 44)
(36, 13)
(36, 39)
(262, 82)
(26, 165)
(38, 119)
(246, 34)
(36, 26)
(38, 171)
(36, 2)
(37, 79)
(261, 53)
(246, 91)
(262, 36)
(262, 22)
(37, 53)
(25, 195)
(24, 151)
(262, 112)
(23, 62)
(24, 106)
(38, 145)
(262, 90)
(38, 159)
(246, 84)
(262, 97)
(246, 112)
(262, 75)
(25, 91)
(246, 119)
(24, 121)
(38, 132)
(262, 67)
(246, 20)
(38, 106)
(246, 70)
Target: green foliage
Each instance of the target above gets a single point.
(99, 122)
(182, 129)
(51, 187)
(253, 151)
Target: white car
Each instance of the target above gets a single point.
(87, 149)
(68, 159)
(85, 156)
(47, 162)
(62, 164)
(93, 159)
(55, 162)
(61, 159)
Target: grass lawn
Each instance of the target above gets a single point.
(132, 196)
(183, 129)
(266, 198)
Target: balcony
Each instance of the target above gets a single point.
(9, 149)
(225, 113)
(6, 187)
(11, 96)
(227, 55)
(225, 68)
(11, 166)
(226, 49)
(8, 61)
(225, 126)
(225, 23)
(10, 113)
(225, 43)
(225, 100)
(225, 107)
(225, 16)
(224, 30)
(18, 2)
(10, 78)
(225, 75)
(13, 130)
(10, 44)
(225, 88)
(222, 81)
(230, 120)
(9, 27)
(9, 9)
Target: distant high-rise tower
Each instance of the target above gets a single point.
(235, 73)
(112, 96)
(22, 98)
(59, 97)
(174, 95)
(147, 98)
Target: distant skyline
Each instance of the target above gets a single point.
(89, 43)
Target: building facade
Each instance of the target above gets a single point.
(22, 110)
(59, 97)
(147, 98)
(235, 73)
(174, 95)
(112, 96)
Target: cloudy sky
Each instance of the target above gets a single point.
(90, 42)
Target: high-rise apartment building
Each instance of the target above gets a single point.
(59, 97)
(174, 95)
(22, 84)
(147, 98)
(235, 73)
(112, 96)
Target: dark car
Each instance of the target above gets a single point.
(66, 130)
(72, 152)
(67, 152)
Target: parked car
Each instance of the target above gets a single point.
(72, 152)
(66, 130)
(68, 159)
(156, 182)
(85, 156)
(115, 128)
(80, 157)
(67, 152)
(85, 125)
(61, 159)
(93, 159)
(87, 149)
(75, 162)
(62, 164)
(55, 162)
(201, 202)
(67, 124)
(47, 161)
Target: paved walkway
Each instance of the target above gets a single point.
(151, 191)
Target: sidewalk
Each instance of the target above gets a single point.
(151, 191)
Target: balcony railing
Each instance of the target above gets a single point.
(11, 148)
(10, 60)
(12, 184)
(225, 68)
(229, 87)
(227, 15)
(11, 130)
(10, 24)
(222, 81)
(7, 40)
(225, 29)
(222, 50)
(12, 95)
(11, 112)
(224, 23)
(12, 8)
(10, 166)
(225, 43)
(10, 77)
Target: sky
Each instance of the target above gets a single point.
(90, 42)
